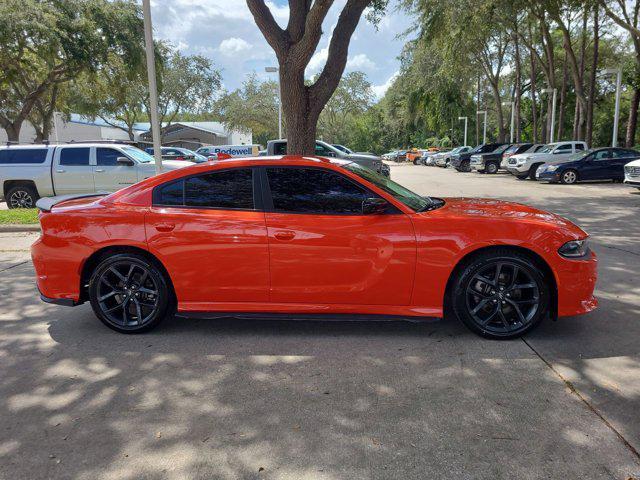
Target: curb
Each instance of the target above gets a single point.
(16, 228)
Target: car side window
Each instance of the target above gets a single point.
(323, 151)
(107, 157)
(27, 155)
(602, 155)
(228, 189)
(280, 149)
(74, 156)
(308, 190)
(562, 149)
(579, 146)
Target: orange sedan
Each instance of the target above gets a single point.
(310, 237)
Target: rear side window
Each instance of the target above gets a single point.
(74, 156)
(171, 194)
(26, 155)
(107, 156)
(306, 190)
(579, 146)
(280, 148)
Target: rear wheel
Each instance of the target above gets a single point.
(128, 293)
(465, 166)
(22, 196)
(491, 168)
(569, 177)
(501, 295)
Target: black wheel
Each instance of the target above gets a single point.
(522, 177)
(465, 166)
(533, 170)
(501, 295)
(569, 177)
(22, 196)
(491, 168)
(128, 293)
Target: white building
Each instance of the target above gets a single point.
(80, 128)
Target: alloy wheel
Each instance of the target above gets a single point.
(569, 177)
(127, 294)
(502, 297)
(21, 199)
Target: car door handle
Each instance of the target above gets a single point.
(165, 227)
(285, 235)
(99, 169)
(60, 170)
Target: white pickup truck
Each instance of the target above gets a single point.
(28, 172)
(526, 164)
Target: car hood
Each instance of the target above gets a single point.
(498, 209)
(361, 156)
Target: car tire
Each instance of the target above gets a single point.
(533, 170)
(491, 168)
(129, 293)
(522, 177)
(569, 177)
(505, 307)
(465, 166)
(22, 196)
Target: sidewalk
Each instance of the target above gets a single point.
(17, 241)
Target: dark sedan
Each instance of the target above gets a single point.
(462, 161)
(179, 153)
(598, 164)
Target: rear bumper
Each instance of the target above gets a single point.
(67, 302)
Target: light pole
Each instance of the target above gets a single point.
(616, 116)
(484, 130)
(153, 89)
(275, 70)
(504, 104)
(554, 91)
(466, 121)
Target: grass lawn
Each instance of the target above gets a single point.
(19, 216)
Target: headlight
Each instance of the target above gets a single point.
(551, 168)
(574, 249)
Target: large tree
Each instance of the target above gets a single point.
(48, 42)
(294, 46)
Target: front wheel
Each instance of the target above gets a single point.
(128, 293)
(569, 177)
(22, 196)
(501, 295)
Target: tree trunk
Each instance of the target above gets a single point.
(593, 75)
(563, 99)
(518, 87)
(633, 119)
(498, 100)
(298, 112)
(477, 116)
(534, 101)
(13, 131)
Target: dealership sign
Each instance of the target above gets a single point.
(235, 150)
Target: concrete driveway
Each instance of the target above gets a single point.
(234, 399)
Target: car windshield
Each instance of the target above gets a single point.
(501, 149)
(137, 154)
(579, 155)
(404, 195)
(547, 149)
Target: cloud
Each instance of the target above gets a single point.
(225, 32)
(380, 90)
(233, 45)
(360, 62)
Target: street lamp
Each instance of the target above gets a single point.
(553, 111)
(484, 130)
(153, 89)
(511, 104)
(466, 120)
(618, 73)
(275, 70)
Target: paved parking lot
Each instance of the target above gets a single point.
(233, 399)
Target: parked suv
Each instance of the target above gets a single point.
(442, 159)
(28, 172)
(632, 173)
(323, 149)
(490, 162)
(462, 161)
(523, 166)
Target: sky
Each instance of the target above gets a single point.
(224, 31)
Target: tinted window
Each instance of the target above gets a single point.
(172, 194)
(74, 156)
(107, 156)
(280, 149)
(579, 146)
(228, 189)
(602, 155)
(27, 155)
(624, 153)
(307, 190)
(323, 151)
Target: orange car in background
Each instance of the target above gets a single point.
(307, 236)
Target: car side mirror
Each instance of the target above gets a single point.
(374, 206)
(124, 161)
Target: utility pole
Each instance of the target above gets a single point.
(153, 88)
(466, 120)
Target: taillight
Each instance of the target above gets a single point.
(179, 158)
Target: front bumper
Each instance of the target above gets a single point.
(576, 280)
(548, 176)
(635, 181)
